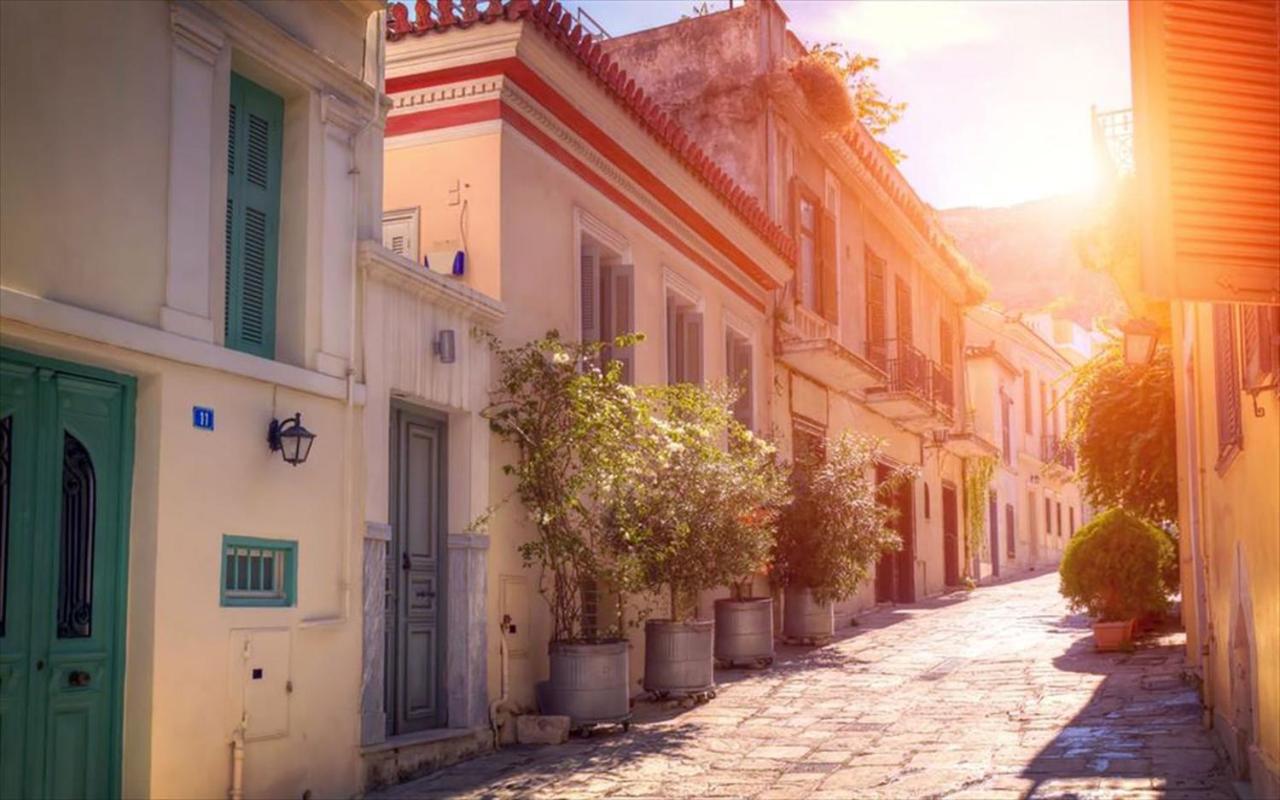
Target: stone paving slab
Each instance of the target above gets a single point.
(993, 694)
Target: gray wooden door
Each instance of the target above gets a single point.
(415, 572)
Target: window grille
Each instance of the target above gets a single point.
(258, 572)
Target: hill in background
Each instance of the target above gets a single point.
(1027, 254)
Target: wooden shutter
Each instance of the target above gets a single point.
(738, 369)
(1206, 92)
(589, 284)
(1027, 412)
(828, 268)
(875, 308)
(1006, 440)
(621, 300)
(946, 347)
(254, 138)
(691, 324)
(1010, 532)
(1260, 337)
(902, 305)
(1226, 384)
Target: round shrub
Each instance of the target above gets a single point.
(1114, 568)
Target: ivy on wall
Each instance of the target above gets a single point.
(976, 484)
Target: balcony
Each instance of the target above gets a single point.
(1057, 455)
(918, 393)
(807, 344)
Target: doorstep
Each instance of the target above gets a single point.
(404, 758)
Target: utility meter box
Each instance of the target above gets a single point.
(260, 682)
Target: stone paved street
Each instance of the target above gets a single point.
(994, 694)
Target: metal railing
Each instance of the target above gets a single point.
(1057, 451)
(944, 392)
(911, 371)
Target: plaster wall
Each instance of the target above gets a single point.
(1238, 524)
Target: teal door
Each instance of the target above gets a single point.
(65, 467)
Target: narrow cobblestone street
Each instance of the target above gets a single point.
(994, 694)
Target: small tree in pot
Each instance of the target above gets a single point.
(573, 424)
(833, 529)
(1115, 569)
(702, 516)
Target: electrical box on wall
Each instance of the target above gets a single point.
(260, 682)
(513, 612)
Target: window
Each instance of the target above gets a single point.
(400, 232)
(809, 440)
(1260, 335)
(254, 141)
(1044, 409)
(1028, 422)
(902, 305)
(1010, 531)
(684, 340)
(740, 375)
(1059, 518)
(1053, 412)
(1226, 385)
(946, 347)
(1006, 436)
(607, 290)
(1048, 516)
(876, 324)
(1071, 517)
(926, 500)
(258, 572)
(808, 274)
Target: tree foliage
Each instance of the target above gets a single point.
(1114, 567)
(1122, 425)
(574, 425)
(841, 91)
(837, 521)
(701, 511)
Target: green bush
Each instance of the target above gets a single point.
(1114, 568)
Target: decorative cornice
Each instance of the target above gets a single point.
(194, 34)
(338, 113)
(379, 263)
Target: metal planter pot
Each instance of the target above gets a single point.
(678, 657)
(588, 684)
(805, 620)
(744, 631)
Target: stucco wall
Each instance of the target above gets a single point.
(1239, 525)
(83, 160)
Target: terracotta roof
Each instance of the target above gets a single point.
(557, 24)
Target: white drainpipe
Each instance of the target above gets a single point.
(500, 710)
(237, 763)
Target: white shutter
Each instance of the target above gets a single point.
(692, 347)
(400, 232)
(621, 301)
(590, 286)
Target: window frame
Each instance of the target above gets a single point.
(735, 329)
(677, 289)
(288, 597)
(1226, 386)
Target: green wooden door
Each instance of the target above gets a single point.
(65, 468)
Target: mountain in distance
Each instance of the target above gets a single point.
(1028, 255)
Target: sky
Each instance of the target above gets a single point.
(998, 91)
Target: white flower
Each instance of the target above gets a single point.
(560, 357)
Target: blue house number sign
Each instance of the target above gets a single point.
(202, 417)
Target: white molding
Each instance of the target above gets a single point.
(673, 281)
(586, 222)
(341, 116)
(411, 101)
(184, 323)
(377, 531)
(92, 326)
(379, 263)
(195, 34)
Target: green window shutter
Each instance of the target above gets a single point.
(254, 136)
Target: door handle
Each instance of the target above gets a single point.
(425, 594)
(78, 677)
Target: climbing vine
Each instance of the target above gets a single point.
(976, 483)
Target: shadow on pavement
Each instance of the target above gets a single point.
(1140, 733)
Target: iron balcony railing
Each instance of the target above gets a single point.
(1057, 451)
(913, 372)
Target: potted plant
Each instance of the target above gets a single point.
(1115, 570)
(571, 421)
(701, 517)
(831, 531)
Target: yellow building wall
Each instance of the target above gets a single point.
(1239, 530)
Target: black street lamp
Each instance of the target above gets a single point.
(291, 439)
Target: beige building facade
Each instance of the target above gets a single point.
(1018, 382)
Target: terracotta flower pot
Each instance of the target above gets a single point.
(1112, 636)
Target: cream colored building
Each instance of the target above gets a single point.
(1214, 269)
(869, 335)
(1018, 381)
(519, 165)
(191, 248)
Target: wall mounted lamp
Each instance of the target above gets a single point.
(291, 439)
(1140, 336)
(445, 347)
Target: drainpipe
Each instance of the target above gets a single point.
(500, 710)
(237, 762)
